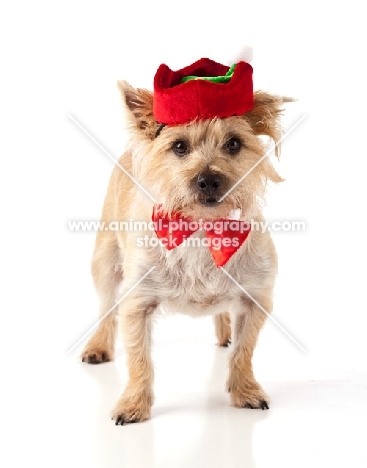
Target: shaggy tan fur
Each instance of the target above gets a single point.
(185, 279)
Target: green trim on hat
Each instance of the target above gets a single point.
(215, 79)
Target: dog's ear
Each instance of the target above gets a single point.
(139, 105)
(264, 118)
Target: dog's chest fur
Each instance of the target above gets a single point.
(186, 280)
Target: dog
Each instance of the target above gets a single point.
(193, 170)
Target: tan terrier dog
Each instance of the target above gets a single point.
(190, 166)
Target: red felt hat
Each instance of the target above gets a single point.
(176, 103)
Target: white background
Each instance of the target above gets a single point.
(60, 58)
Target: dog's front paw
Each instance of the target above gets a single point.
(131, 410)
(96, 355)
(249, 398)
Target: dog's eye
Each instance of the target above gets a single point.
(180, 148)
(233, 146)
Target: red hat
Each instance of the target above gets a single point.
(202, 97)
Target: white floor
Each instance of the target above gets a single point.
(317, 415)
(315, 418)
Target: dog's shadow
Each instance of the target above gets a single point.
(213, 431)
(183, 430)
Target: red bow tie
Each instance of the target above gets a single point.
(223, 236)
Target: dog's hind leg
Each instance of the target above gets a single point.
(107, 275)
(222, 324)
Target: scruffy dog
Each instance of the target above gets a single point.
(188, 169)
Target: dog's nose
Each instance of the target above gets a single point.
(208, 183)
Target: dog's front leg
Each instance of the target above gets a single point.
(244, 390)
(136, 323)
